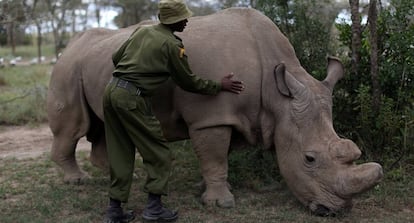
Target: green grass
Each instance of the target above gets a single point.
(33, 191)
(27, 52)
(23, 94)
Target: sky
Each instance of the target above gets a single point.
(107, 18)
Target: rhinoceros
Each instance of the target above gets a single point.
(283, 108)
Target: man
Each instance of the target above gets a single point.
(150, 56)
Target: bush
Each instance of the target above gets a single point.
(253, 167)
(382, 134)
(305, 30)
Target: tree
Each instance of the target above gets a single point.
(383, 131)
(201, 7)
(356, 35)
(307, 24)
(36, 13)
(58, 10)
(101, 5)
(12, 13)
(135, 11)
(237, 3)
(372, 21)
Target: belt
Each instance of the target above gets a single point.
(126, 85)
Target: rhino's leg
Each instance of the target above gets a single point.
(99, 157)
(96, 135)
(68, 116)
(211, 146)
(63, 154)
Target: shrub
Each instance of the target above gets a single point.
(253, 167)
(382, 134)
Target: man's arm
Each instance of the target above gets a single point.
(183, 76)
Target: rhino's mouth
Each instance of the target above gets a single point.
(323, 210)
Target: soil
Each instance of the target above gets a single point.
(26, 142)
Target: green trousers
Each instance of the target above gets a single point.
(129, 125)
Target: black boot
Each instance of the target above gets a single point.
(154, 211)
(114, 213)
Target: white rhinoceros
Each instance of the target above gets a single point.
(282, 107)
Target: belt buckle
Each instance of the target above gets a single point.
(122, 83)
(138, 92)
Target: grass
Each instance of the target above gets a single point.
(26, 52)
(23, 94)
(33, 191)
(23, 89)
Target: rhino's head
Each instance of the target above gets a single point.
(317, 165)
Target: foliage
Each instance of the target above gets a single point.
(308, 32)
(201, 7)
(236, 3)
(383, 135)
(12, 15)
(135, 11)
(11, 10)
(253, 167)
(3, 36)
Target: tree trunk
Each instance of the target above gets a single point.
(97, 13)
(39, 42)
(56, 41)
(356, 35)
(11, 37)
(85, 19)
(376, 89)
(253, 3)
(73, 21)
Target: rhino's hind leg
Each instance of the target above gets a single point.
(211, 146)
(98, 156)
(96, 135)
(63, 154)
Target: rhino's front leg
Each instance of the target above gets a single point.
(211, 146)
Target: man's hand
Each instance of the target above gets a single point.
(227, 84)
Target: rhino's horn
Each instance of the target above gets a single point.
(335, 72)
(358, 178)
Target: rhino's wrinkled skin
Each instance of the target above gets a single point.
(282, 107)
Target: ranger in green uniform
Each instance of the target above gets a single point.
(150, 56)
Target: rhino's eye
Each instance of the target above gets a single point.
(309, 159)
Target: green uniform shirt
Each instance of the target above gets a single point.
(151, 55)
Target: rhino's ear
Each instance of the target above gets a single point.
(335, 72)
(286, 83)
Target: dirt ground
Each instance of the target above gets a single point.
(25, 142)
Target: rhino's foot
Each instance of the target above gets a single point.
(102, 165)
(76, 178)
(219, 195)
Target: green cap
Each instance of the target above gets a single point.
(172, 11)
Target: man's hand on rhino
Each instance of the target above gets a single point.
(233, 86)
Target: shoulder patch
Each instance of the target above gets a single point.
(182, 52)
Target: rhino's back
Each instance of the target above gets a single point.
(238, 40)
(241, 36)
